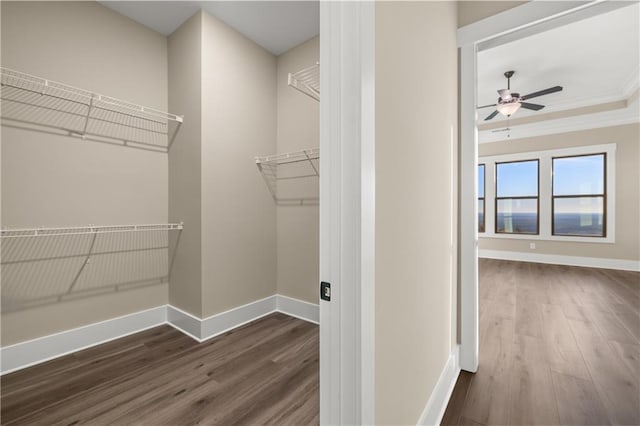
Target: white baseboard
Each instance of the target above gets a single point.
(298, 308)
(31, 352)
(437, 404)
(228, 320)
(590, 262)
(184, 322)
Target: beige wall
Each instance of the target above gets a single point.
(473, 11)
(185, 183)
(298, 128)
(627, 245)
(238, 213)
(416, 110)
(59, 181)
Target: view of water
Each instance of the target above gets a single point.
(565, 223)
(579, 224)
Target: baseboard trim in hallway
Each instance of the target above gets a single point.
(25, 354)
(553, 259)
(437, 404)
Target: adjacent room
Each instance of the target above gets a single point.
(558, 223)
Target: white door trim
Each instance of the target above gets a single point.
(347, 208)
(512, 24)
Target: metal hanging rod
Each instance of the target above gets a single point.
(307, 81)
(87, 230)
(35, 101)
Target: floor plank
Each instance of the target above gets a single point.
(264, 372)
(578, 401)
(558, 345)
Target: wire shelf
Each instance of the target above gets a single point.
(36, 103)
(50, 265)
(49, 232)
(307, 81)
(279, 171)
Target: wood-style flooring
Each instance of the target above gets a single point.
(265, 372)
(558, 345)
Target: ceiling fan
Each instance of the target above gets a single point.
(509, 102)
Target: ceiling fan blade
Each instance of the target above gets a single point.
(535, 107)
(541, 93)
(490, 116)
(486, 106)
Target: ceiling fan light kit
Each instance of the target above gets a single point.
(508, 109)
(509, 103)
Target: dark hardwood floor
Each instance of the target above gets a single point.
(558, 345)
(265, 372)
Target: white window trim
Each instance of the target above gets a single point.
(545, 195)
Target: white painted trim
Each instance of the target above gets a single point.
(619, 117)
(184, 322)
(469, 308)
(554, 259)
(298, 308)
(437, 404)
(221, 323)
(214, 325)
(347, 180)
(35, 351)
(512, 20)
(632, 83)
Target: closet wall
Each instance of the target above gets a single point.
(185, 166)
(237, 246)
(298, 225)
(61, 181)
(238, 214)
(227, 84)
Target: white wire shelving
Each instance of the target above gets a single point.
(84, 230)
(307, 81)
(44, 105)
(288, 167)
(49, 265)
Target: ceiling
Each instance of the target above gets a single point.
(275, 25)
(596, 60)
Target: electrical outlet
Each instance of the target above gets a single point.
(532, 246)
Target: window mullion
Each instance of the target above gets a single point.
(544, 196)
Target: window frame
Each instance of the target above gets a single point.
(524, 197)
(484, 199)
(603, 195)
(545, 191)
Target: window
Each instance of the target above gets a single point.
(579, 196)
(516, 198)
(481, 208)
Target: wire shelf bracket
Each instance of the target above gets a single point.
(307, 81)
(270, 165)
(39, 104)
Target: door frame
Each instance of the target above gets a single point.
(519, 22)
(347, 208)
